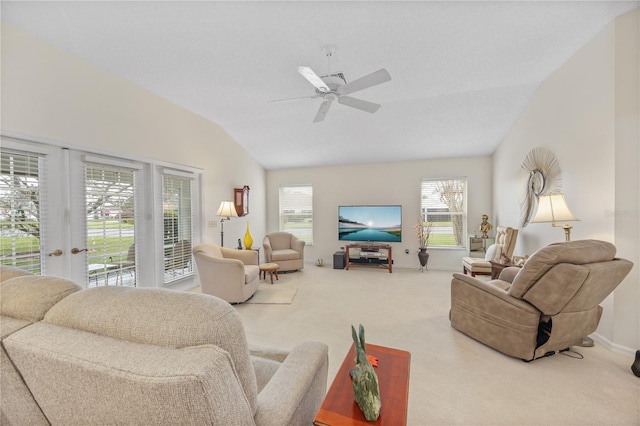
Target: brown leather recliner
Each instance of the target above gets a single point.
(547, 306)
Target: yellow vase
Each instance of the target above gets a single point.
(248, 239)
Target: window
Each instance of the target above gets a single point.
(21, 206)
(444, 206)
(177, 225)
(296, 211)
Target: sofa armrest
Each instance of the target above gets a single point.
(248, 257)
(509, 273)
(296, 390)
(297, 244)
(266, 244)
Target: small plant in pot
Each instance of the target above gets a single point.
(423, 233)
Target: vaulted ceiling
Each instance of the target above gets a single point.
(461, 72)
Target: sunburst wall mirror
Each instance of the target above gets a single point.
(543, 177)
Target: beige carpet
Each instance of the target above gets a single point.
(268, 294)
(455, 380)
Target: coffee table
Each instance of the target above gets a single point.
(339, 406)
(271, 268)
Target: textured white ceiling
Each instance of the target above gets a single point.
(461, 71)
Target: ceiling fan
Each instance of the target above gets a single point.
(334, 87)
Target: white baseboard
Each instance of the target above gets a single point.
(613, 347)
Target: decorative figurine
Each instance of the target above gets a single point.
(239, 244)
(485, 226)
(364, 380)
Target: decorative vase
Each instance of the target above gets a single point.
(248, 239)
(423, 257)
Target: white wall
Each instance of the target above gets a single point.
(577, 113)
(48, 94)
(384, 183)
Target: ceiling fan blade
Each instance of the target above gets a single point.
(369, 80)
(290, 99)
(313, 78)
(322, 111)
(359, 103)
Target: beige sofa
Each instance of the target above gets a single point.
(547, 306)
(118, 355)
(24, 300)
(230, 274)
(285, 249)
(506, 238)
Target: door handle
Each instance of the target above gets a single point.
(57, 252)
(76, 250)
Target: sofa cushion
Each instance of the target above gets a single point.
(29, 297)
(160, 317)
(8, 272)
(285, 254)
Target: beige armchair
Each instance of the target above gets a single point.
(505, 243)
(230, 274)
(550, 304)
(284, 249)
(151, 356)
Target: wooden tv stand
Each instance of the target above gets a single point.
(370, 255)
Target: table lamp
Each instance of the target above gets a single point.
(227, 210)
(553, 208)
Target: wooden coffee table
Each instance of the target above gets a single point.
(339, 406)
(271, 268)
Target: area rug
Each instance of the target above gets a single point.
(277, 296)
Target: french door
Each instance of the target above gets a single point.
(69, 213)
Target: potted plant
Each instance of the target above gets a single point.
(423, 234)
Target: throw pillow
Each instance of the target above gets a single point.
(490, 254)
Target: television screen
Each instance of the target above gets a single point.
(370, 223)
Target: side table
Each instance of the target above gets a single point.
(497, 267)
(339, 406)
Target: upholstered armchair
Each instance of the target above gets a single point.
(285, 249)
(122, 355)
(230, 274)
(505, 243)
(550, 304)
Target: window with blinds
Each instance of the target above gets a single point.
(296, 211)
(177, 225)
(443, 206)
(110, 210)
(22, 177)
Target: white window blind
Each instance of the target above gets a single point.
(443, 205)
(110, 210)
(177, 225)
(22, 177)
(296, 211)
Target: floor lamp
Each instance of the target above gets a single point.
(553, 208)
(227, 210)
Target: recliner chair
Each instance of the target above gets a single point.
(285, 249)
(547, 306)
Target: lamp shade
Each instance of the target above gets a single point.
(227, 209)
(553, 208)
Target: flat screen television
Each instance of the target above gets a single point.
(370, 223)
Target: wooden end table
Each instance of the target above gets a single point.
(271, 268)
(497, 267)
(339, 406)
